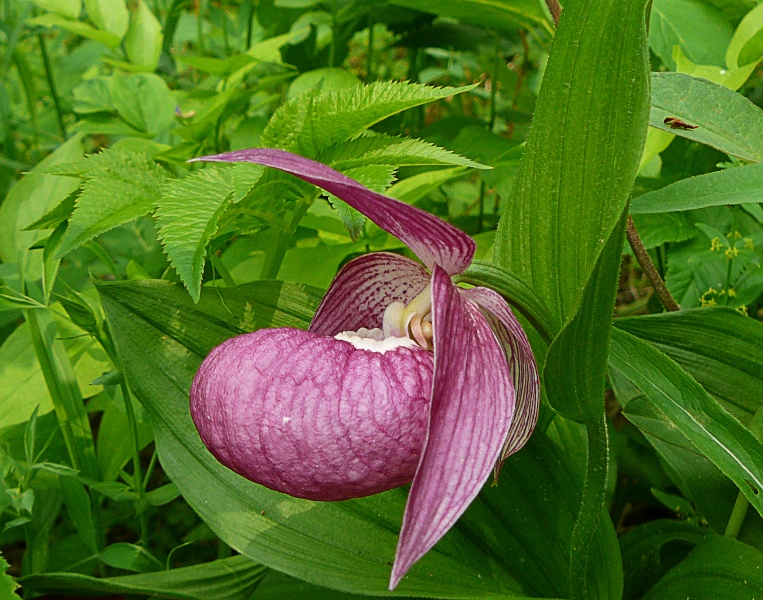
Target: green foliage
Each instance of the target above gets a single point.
(105, 487)
(189, 214)
(118, 187)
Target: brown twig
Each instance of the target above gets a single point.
(645, 261)
(555, 9)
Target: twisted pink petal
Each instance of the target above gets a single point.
(433, 240)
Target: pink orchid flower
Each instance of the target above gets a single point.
(401, 377)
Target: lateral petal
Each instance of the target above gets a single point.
(363, 289)
(524, 369)
(472, 409)
(433, 240)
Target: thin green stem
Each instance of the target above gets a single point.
(494, 81)
(249, 25)
(332, 48)
(591, 506)
(220, 267)
(370, 55)
(738, 514)
(281, 239)
(52, 84)
(200, 26)
(137, 476)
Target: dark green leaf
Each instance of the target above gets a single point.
(719, 567)
(503, 14)
(717, 346)
(229, 579)
(715, 433)
(129, 557)
(582, 153)
(494, 551)
(652, 549)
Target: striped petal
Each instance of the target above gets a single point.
(364, 288)
(433, 240)
(524, 369)
(472, 408)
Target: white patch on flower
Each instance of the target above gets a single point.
(286, 420)
(373, 340)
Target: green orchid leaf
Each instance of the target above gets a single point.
(690, 409)
(162, 336)
(719, 567)
(717, 346)
(228, 579)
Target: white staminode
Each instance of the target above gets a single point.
(374, 340)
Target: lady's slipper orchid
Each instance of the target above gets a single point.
(401, 377)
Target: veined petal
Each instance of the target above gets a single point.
(314, 416)
(364, 288)
(472, 408)
(524, 369)
(433, 240)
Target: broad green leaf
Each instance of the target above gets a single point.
(78, 507)
(719, 567)
(77, 27)
(698, 29)
(31, 198)
(189, 213)
(746, 47)
(725, 120)
(502, 14)
(328, 79)
(715, 433)
(63, 388)
(494, 551)
(739, 185)
(717, 346)
(109, 15)
(387, 150)
(582, 152)
(652, 549)
(67, 8)
(730, 78)
(698, 479)
(23, 386)
(119, 187)
(129, 557)
(314, 122)
(660, 228)
(143, 42)
(576, 363)
(517, 293)
(143, 100)
(733, 10)
(228, 579)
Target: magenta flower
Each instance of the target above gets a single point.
(401, 377)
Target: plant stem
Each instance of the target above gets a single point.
(137, 477)
(645, 261)
(494, 82)
(52, 84)
(332, 48)
(252, 9)
(737, 517)
(220, 267)
(591, 506)
(555, 9)
(370, 56)
(200, 26)
(281, 239)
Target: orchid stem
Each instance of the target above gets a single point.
(52, 84)
(645, 262)
(738, 514)
(591, 506)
